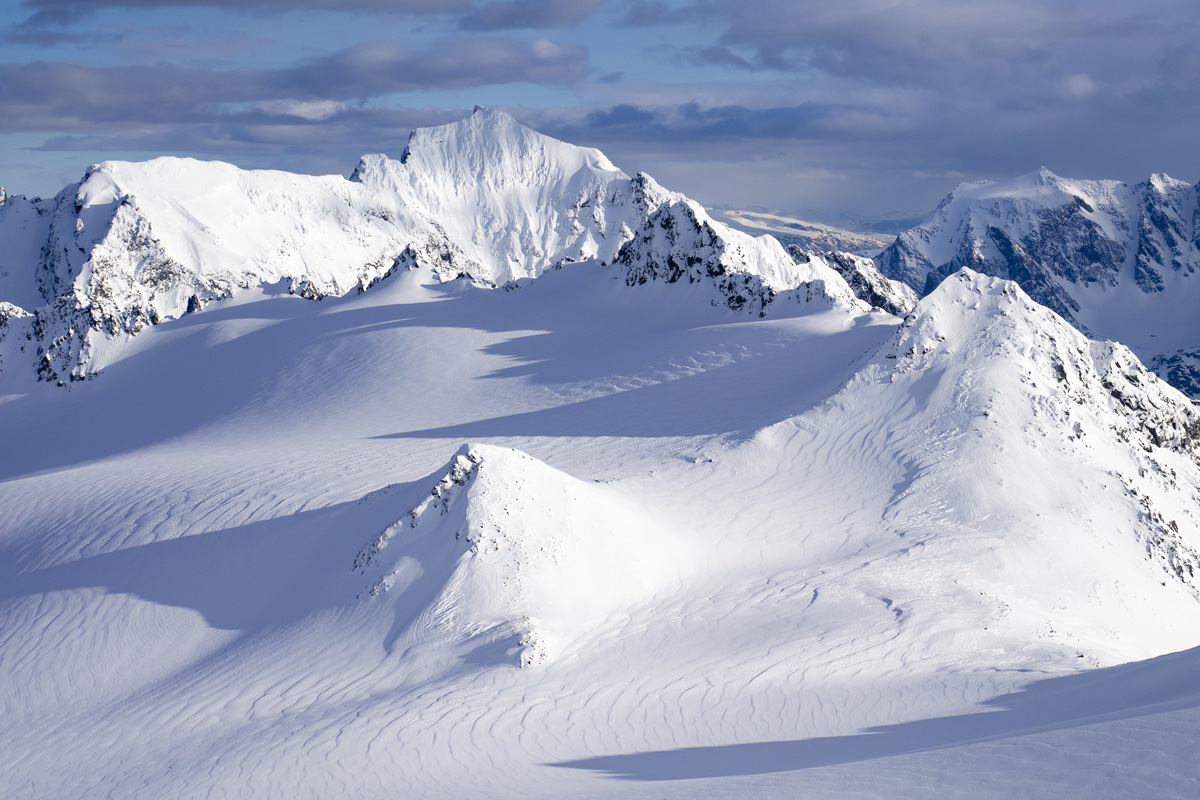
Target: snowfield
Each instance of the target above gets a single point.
(590, 536)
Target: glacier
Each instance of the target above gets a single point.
(625, 504)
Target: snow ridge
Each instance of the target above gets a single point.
(521, 553)
(1114, 260)
(864, 279)
(1049, 382)
(486, 199)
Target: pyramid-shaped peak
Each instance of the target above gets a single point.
(491, 136)
(1163, 183)
(1040, 178)
(522, 548)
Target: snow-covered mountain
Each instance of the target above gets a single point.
(580, 531)
(684, 518)
(864, 279)
(1118, 261)
(550, 556)
(486, 198)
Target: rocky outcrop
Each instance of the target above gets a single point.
(864, 279)
(1078, 247)
(486, 199)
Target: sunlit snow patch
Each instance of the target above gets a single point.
(528, 553)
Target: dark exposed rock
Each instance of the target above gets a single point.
(1066, 243)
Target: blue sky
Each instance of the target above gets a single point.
(869, 108)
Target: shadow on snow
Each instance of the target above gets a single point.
(1157, 685)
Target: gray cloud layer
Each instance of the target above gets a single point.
(66, 97)
(865, 103)
(61, 12)
(473, 14)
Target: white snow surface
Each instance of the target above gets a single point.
(582, 539)
(485, 198)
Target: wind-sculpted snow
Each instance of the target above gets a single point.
(1115, 260)
(487, 199)
(723, 547)
(530, 557)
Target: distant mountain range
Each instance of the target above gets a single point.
(494, 471)
(812, 236)
(492, 201)
(1117, 261)
(485, 199)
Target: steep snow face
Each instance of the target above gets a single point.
(484, 198)
(509, 201)
(1070, 449)
(1115, 260)
(524, 557)
(678, 241)
(136, 244)
(16, 327)
(25, 226)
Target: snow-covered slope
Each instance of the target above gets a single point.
(1023, 401)
(524, 558)
(586, 536)
(134, 244)
(691, 553)
(1118, 261)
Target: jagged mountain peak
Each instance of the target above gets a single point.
(984, 322)
(1162, 182)
(1007, 426)
(1115, 260)
(1041, 187)
(488, 147)
(485, 198)
(490, 132)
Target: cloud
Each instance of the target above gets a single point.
(55, 37)
(68, 97)
(312, 110)
(1078, 86)
(62, 12)
(512, 14)
(724, 57)
(644, 13)
(690, 122)
(473, 14)
(1005, 48)
(750, 102)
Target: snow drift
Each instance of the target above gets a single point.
(529, 555)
